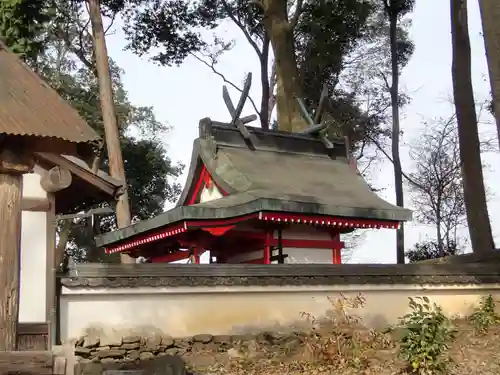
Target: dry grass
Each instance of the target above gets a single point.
(471, 354)
(344, 346)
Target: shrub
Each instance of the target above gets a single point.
(485, 315)
(425, 337)
(341, 339)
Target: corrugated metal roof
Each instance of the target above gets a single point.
(30, 107)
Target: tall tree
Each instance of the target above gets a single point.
(111, 133)
(395, 10)
(22, 23)
(324, 34)
(472, 172)
(490, 14)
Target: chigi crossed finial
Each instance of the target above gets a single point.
(316, 127)
(235, 112)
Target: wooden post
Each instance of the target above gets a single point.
(196, 253)
(116, 167)
(267, 245)
(11, 181)
(337, 248)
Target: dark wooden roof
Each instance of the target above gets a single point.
(30, 107)
(278, 172)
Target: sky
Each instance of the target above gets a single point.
(182, 95)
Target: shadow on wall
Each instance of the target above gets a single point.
(220, 311)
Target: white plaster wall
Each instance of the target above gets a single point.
(185, 311)
(210, 194)
(33, 255)
(295, 255)
(306, 256)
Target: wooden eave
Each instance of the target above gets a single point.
(109, 188)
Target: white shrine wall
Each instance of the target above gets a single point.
(33, 273)
(187, 311)
(306, 256)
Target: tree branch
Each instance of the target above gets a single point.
(295, 18)
(223, 77)
(408, 178)
(272, 84)
(113, 17)
(242, 27)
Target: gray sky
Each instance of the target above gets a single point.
(183, 95)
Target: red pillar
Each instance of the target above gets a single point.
(196, 253)
(267, 246)
(337, 248)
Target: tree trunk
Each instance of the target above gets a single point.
(490, 17)
(10, 233)
(264, 80)
(470, 156)
(116, 166)
(439, 233)
(396, 130)
(280, 32)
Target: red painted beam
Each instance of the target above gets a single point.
(300, 244)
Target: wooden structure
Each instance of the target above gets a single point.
(31, 362)
(33, 336)
(258, 196)
(59, 186)
(44, 146)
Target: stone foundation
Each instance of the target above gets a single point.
(92, 348)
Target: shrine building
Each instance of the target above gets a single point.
(271, 197)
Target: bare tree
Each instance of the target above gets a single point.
(352, 241)
(436, 190)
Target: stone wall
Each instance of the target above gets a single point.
(92, 348)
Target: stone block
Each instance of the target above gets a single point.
(131, 339)
(203, 338)
(163, 365)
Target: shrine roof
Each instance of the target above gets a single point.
(269, 171)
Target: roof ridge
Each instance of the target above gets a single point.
(270, 140)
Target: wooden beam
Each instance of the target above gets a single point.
(13, 164)
(83, 173)
(28, 362)
(35, 204)
(51, 269)
(56, 179)
(33, 328)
